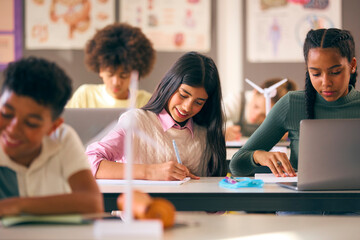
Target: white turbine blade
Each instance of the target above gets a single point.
(269, 89)
(259, 89)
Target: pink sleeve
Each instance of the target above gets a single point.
(110, 148)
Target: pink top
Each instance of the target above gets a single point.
(111, 147)
(168, 122)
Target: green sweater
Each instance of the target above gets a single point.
(284, 117)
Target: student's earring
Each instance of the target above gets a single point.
(353, 70)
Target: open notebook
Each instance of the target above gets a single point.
(140, 182)
(8, 221)
(328, 155)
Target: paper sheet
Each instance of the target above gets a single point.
(270, 178)
(139, 182)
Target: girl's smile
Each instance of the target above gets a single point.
(181, 114)
(186, 102)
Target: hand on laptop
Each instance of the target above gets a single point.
(278, 163)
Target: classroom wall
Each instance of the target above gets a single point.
(73, 60)
(258, 72)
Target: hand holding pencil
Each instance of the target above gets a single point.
(168, 171)
(188, 174)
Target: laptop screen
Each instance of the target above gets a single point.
(329, 154)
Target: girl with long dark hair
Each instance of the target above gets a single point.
(185, 107)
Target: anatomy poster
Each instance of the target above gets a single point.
(10, 31)
(172, 25)
(276, 29)
(63, 24)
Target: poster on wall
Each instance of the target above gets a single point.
(59, 24)
(172, 25)
(276, 29)
(10, 31)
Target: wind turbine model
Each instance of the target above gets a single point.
(268, 93)
(129, 227)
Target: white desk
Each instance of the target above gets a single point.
(203, 226)
(206, 195)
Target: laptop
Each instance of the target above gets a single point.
(92, 124)
(329, 155)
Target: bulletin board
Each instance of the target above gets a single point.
(276, 29)
(54, 24)
(171, 25)
(258, 71)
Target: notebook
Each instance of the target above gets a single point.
(8, 221)
(329, 155)
(140, 182)
(92, 124)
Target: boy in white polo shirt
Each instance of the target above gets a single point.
(43, 167)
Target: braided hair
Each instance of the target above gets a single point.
(326, 38)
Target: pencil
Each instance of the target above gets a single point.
(176, 152)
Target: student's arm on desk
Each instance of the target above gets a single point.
(84, 198)
(250, 157)
(168, 171)
(278, 162)
(105, 157)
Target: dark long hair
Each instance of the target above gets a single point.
(326, 38)
(197, 70)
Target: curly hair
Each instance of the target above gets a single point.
(120, 45)
(326, 38)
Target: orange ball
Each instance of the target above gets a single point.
(145, 207)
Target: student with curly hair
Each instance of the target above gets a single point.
(331, 71)
(113, 53)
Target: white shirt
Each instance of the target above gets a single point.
(232, 106)
(62, 155)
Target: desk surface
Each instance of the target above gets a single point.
(205, 226)
(206, 195)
